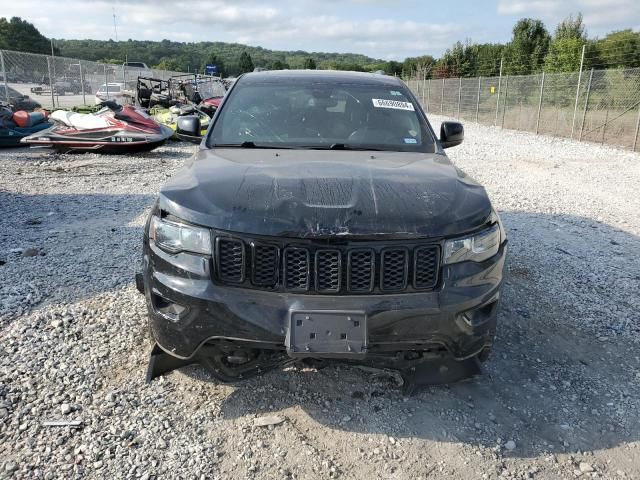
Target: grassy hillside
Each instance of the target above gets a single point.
(183, 56)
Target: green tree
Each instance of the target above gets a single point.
(309, 64)
(461, 60)
(419, 66)
(565, 51)
(22, 36)
(526, 52)
(170, 64)
(278, 65)
(618, 50)
(245, 64)
(564, 55)
(571, 28)
(393, 68)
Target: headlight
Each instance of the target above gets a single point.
(475, 248)
(178, 237)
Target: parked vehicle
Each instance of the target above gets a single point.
(321, 219)
(114, 129)
(138, 69)
(18, 100)
(115, 92)
(153, 91)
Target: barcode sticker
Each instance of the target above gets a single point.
(395, 104)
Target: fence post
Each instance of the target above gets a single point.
(575, 107)
(424, 85)
(106, 83)
(459, 97)
(495, 122)
(506, 93)
(586, 103)
(635, 138)
(540, 103)
(604, 125)
(428, 95)
(53, 102)
(84, 99)
(442, 98)
(4, 76)
(478, 99)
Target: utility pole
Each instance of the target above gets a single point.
(575, 107)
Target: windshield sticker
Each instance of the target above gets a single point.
(410, 140)
(395, 93)
(395, 104)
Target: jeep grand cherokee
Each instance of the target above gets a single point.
(320, 218)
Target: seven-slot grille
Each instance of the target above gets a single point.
(318, 268)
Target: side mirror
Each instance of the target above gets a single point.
(451, 134)
(188, 129)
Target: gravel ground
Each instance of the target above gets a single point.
(560, 397)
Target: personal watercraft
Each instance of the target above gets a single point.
(169, 116)
(16, 125)
(113, 129)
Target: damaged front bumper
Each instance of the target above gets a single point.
(192, 319)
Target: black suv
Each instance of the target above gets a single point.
(320, 219)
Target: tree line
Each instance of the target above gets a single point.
(531, 49)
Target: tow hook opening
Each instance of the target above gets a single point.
(480, 315)
(167, 308)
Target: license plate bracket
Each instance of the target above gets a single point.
(327, 333)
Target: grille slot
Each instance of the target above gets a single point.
(328, 268)
(425, 271)
(393, 269)
(266, 265)
(321, 267)
(296, 269)
(230, 260)
(361, 272)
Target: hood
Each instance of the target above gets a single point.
(320, 193)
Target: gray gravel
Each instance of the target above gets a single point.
(559, 399)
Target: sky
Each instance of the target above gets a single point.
(386, 29)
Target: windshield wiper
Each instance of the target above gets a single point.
(343, 146)
(249, 144)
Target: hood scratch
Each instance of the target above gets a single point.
(373, 191)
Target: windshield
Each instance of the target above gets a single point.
(210, 89)
(110, 89)
(310, 114)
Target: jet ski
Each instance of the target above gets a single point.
(113, 129)
(169, 116)
(210, 105)
(14, 126)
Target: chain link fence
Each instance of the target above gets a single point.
(59, 82)
(600, 106)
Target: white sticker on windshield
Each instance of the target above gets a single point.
(395, 104)
(395, 93)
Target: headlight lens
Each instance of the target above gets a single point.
(475, 248)
(178, 237)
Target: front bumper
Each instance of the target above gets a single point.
(459, 317)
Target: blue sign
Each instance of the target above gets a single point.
(211, 70)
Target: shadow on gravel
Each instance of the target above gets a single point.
(62, 248)
(564, 376)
